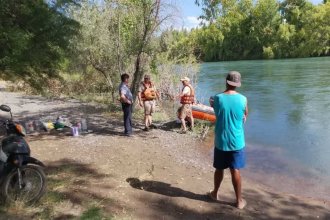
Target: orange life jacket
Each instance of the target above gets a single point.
(188, 99)
(148, 93)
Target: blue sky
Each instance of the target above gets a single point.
(190, 12)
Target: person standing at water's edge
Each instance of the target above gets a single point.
(187, 98)
(231, 110)
(126, 99)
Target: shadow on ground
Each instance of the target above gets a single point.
(101, 119)
(169, 209)
(167, 189)
(73, 188)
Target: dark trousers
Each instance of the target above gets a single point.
(127, 109)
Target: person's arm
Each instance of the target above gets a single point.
(185, 91)
(246, 112)
(211, 100)
(140, 99)
(124, 99)
(140, 95)
(157, 93)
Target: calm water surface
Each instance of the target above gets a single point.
(288, 129)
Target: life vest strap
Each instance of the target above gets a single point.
(188, 99)
(148, 93)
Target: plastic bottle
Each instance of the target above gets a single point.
(74, 131)
(79, 127)
(37, 125)
(83, 125)
(29, 126)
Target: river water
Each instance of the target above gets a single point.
(288, 128)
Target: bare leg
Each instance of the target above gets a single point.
(149, 120)
(183, 124)
(218, 177)
(192, 121)
(237, 184)
(146, 121)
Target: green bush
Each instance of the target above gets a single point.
(268, 53)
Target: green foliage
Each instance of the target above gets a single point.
(93, 213)
(317, 30)
(268, 53)
(211, 40)
(284, 40)
(34, 38)
(266, 20)
(107, 38)
(116, 36)
(176, 46)
(294, 10)
(96, 47)
(246, 29)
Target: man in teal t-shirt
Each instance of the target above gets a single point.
(230, 108)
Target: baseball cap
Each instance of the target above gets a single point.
(234, 78)
(185, 79)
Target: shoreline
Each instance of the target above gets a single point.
(154, 175)
(271, 168)
(275, 170)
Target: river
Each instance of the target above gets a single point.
(288, 128)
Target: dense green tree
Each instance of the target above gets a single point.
(317, 29)
(117, 36)
(148, 19)
(265, 29)
(265, 22)
(34, 37)
(235, 24)
(98, 45)
(210, 41)
(294, 10)
(293, 13)
(210, 9)
(176, 45)
(283, 46)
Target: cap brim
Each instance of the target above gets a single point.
(234, 84)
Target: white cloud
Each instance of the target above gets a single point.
(192, 21)
(188, 23)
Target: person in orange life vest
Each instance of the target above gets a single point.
(147, 94)
(187, 97)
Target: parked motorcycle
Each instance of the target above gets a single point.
(21, 176)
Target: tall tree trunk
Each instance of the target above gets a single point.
(149, 15)
(113, 95)
(137, 75)
(107, 77)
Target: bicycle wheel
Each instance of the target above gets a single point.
(32, 187)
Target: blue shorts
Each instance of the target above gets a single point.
(229, 159)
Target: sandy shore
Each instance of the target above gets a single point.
(158, 174)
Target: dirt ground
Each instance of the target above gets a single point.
(159, 174)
